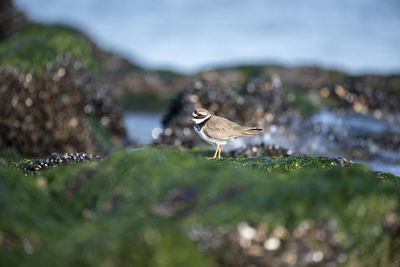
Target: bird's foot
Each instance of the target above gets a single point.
(214, 158)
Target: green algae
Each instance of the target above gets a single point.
(36, 45)
(286, 165)
(102, 213)
(9, 155)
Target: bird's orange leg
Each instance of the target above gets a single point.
(219, 153)
(216, 151)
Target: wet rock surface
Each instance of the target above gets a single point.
(56, 159)
(360, 137)
(50, 111)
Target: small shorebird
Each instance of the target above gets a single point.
(219, 131)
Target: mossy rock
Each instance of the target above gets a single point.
(110, 212)
(51, 81)
(36, 45)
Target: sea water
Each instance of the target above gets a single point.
(353, 35)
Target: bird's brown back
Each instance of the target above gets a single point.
(221, 128)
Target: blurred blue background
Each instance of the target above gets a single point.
(352, 35)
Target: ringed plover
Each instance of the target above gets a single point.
(219, 131)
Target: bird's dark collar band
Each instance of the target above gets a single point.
(200, 125)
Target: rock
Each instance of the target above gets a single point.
(313, 214)
(11, 19)
(56, 158)
(374, 92)
(50, 111)
(342, 161)
(333, 87)
(263, 245)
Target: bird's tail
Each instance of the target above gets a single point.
(251, 131)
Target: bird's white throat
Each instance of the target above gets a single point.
(197, 121)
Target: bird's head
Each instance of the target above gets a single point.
(200, 115)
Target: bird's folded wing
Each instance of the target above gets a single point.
(221, 128)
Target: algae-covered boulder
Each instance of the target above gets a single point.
(165, 207)
(52, 98)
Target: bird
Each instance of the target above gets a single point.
(219, 131)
